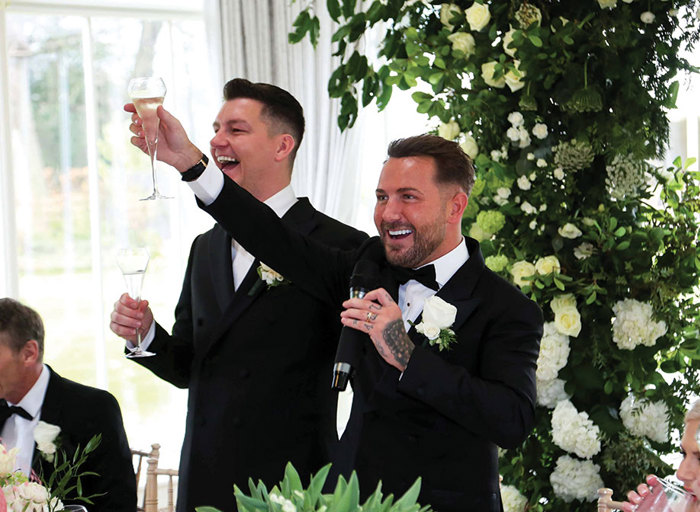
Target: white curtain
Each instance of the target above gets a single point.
(254, 45)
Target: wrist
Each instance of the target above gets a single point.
(189, 159)
(196, 170)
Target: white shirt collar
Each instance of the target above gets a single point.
(34, 399)
(282, 201)
(447, 264)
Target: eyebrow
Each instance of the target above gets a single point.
(216, 124)
(401, 190)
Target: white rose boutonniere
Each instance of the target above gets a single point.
(46, 438)
(271, 277)
(438, 317)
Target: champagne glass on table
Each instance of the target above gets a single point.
(133, 263)
(147, 94)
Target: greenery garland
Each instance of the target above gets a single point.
(562, 104)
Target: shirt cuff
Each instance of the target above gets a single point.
(146, 340)
(209, 184)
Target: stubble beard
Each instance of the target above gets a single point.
(425, 241)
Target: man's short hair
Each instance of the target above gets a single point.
(281, 110)
(19, 324)
(452, 163)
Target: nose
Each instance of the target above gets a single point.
(217, 140)
(685, 473)
(391, 211)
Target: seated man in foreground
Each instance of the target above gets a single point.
(438, 414)
(31, 392)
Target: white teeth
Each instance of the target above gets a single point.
(400, 232)
(223, 159)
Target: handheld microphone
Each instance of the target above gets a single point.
(365, 277)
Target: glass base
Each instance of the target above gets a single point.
(155, 195)
(137, 352)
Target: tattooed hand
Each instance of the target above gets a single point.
(379, 316)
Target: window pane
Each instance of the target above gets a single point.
(78, 182)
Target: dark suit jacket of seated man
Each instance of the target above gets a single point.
(79, 411)
(443, 417)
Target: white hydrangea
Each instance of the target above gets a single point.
(576, 479)
(573, 432)
(634, 325)
(512, 500)
(551, 392)
(645, 418)
(554, 353)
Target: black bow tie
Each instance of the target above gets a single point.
(8, 410)
(424, 275)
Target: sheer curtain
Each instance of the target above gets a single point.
(253, 39)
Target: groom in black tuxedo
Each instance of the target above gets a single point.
(424, 412)
(259, 391)
(32, 395)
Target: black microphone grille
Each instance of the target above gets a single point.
(365, 275)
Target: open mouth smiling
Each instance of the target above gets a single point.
(227, 161)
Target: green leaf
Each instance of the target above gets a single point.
(349, 7)
(591, 298)
(620, 231)
(672, 95)
(559, 284)
(535, 40)
(333, 9)
(410, 496)
(207, 509)
(622, 246)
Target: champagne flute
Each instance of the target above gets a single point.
(133, 263)
(147, 94)
(666, 497)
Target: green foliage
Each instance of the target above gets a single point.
(567, 102)
(290, 496)
(65, 481)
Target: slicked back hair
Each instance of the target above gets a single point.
(281, 110)
(452, 163)
(19, 324)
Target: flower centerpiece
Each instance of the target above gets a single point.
(291, 496)
(563, 108)
(39, 494)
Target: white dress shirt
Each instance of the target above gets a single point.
(19, 432)
(412, 294)
(207, 188)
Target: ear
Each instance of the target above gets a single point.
(30, 353)
(456, 206)
(285, 146)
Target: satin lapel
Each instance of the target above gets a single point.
(222, 267)
(301, 217)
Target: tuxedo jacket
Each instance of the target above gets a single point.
(257, 363)
(444, 417)
(82, 412)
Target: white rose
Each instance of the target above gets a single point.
(503, 192)
(565, 300)
(463, 42)
(528, 208)
(520, 270)
(568, 321)
(543, 207)
(569, 230)
(507, 40)
(559, 173)
(449, 130)
(647, 17)
(469, 146)
(7, 460)
(447, 11)
(430, 331)
(524, 138)
(437, 312)
(45, 435)
(514, 77)
(487, 71)
(478, 16)
(541, 163)
(540, 130)
(516, 119)
(268, 275)
(513, 134)
(607, 4)
(533, 224)
(524, 183)
(583, 251)
(548, 265)
(530, 156)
